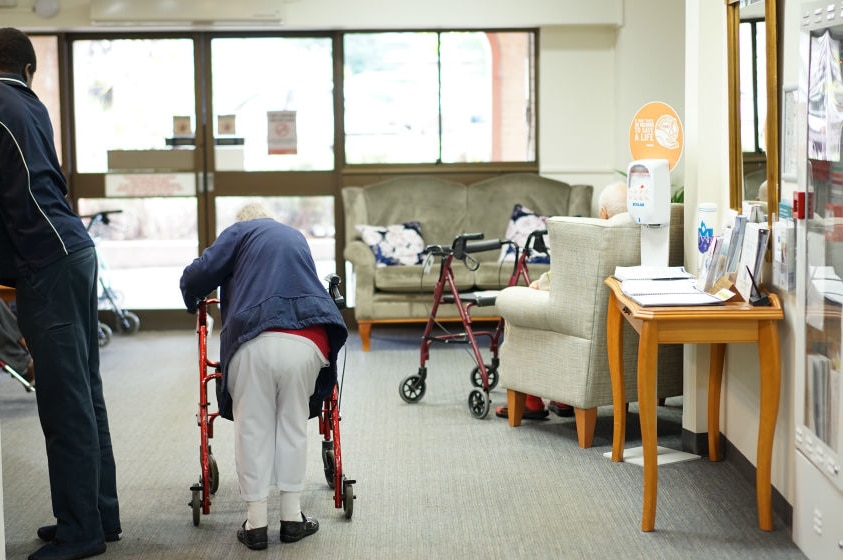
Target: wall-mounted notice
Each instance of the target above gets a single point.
(281, 135)
(656, 133)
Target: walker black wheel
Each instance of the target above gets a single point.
(103, 334)
(412, 389)
(213, 474)
(479, 403)
(129, 323)
(347, 498)
(329, 463)
(195, 503)
(491, 375)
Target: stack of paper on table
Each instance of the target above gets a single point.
(644, 272)
(677, 292)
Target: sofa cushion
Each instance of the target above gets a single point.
(490, 203)
(522, 223)
(394, 244)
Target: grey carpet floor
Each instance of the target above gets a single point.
(432, 481)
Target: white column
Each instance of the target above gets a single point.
(706, 166)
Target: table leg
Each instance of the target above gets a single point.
(770, 391)
(715, 381)
(648, 349)
(614, 340)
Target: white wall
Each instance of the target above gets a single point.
(374, 14)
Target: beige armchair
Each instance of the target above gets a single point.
(555, 341)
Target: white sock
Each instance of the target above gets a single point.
(290, 506)
(256, 514)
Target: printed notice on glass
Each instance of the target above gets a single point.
(281, 134)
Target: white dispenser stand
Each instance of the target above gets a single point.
(648, 203)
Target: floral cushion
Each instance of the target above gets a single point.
(394, 244)
(522, 223)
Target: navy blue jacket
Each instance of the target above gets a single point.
(37, 223)
(267, 280)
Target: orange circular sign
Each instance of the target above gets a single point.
(656, 133)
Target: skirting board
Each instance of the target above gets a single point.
(635, 455)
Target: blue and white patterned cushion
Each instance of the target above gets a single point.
(522, 223)
(394, 244)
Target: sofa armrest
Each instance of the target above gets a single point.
(359, 254)
(363, 263)
(525, 307)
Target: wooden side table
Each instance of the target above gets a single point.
(717, 325)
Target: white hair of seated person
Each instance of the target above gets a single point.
(253, 211)
(612, 202)
(612, 199)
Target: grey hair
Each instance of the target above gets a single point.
(253, 211)
(613, 198)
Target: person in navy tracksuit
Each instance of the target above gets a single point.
(49, 258)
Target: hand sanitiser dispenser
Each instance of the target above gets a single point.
(648, 204)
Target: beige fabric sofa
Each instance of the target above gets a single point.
(555, 341)
(445, 209)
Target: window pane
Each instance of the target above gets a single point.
(145, 248)
(131, 89)
(487, 101)
(252, 77)
(430, 97)
(45, 82)
(311, 215)
(391, 98)
(753, 77)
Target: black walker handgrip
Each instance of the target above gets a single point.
(488, 245)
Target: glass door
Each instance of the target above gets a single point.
(178, 145)
(134, 106)
(272, 122)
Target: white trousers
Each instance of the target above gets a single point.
(270, 379)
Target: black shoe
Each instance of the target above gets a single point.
(292, 531)
(68, 551)
(561, 409)
(255, 539)
(503, 412)
(48, 533)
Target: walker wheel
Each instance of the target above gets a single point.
(329, 464)
(491, 375)
(103, 334)
(479, 403)
(129, 323)
(412, 389)
(213, 474)
(348, 498)
(195, 503)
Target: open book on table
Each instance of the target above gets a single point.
(676, 292)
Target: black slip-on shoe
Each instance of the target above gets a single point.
(292, 531)
(503, 412)
(68, 551)
(255, 539)
(560, 409)
(48, 533)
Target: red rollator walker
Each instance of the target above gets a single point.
(484, 376)
(329, 428)
(329, 425)
(209, 370)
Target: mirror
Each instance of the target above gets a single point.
(753, 116)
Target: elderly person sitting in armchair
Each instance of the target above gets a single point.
(612, 201)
